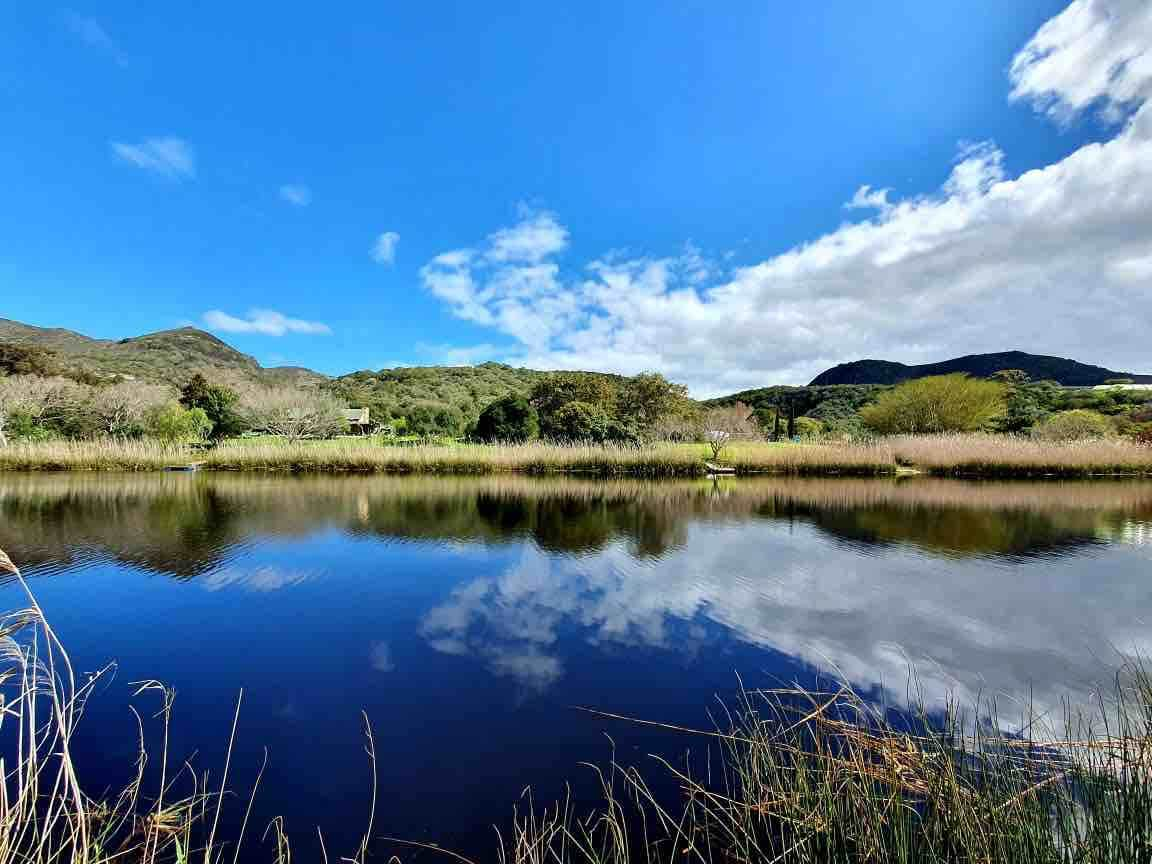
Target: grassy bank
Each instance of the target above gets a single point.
(657, 460)
(1011, 456)
(941, 455)
(789, 776)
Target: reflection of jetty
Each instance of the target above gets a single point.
(1136, 533)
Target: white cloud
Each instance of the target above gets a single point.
(89, 31)
(867, 198)
(266, 321)
(384, 250)
(1095, 52)
(296, 194)
(531, 240)
(1051, 261)
(169, 157)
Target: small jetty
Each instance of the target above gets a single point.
(191, 466)
(713, 468)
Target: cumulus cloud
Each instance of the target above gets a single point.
(91, 33)
(268, 322)
(384, 249)
(1051, 261)
(1094, 53)
(296, 194)
(168, 157)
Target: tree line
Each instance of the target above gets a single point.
(37, 403)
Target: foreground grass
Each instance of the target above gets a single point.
(940, 455)
(816, 778)
(790, 776)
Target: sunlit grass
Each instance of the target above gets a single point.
(1015, 456)
(944, 455)
(106, 455)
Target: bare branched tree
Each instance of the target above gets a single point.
(724, 422)
(120, 409)
(295, 414)
(40, 400)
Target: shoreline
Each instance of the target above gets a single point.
(964, 457)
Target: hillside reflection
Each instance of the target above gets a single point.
(184, 526)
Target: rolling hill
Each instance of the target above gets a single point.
(169, 356)
(1040, 367)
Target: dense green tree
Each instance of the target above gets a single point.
(580, 421)
(509, 419)
(551, 394)
(430, 420)
(943, 403)
(644, 400)
(218, 403)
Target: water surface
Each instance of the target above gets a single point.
(468, 616)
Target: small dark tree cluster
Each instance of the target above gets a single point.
(509, 419)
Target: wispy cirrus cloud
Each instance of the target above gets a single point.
(168, 157)
(959, 270)
(267, 322)
(91, 33)
(296, 194)
(384, 249)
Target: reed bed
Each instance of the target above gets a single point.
(814, 778)
(46, 813)
(108, 455)
(985, 455)
(656, 460)
(991, 456)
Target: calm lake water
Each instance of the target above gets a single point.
(468, 616)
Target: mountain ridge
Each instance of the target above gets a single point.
(1070, 373)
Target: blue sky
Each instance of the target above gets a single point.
(626, 186)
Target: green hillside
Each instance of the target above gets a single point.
(169, 356)
(464, 389)
(1039, 367)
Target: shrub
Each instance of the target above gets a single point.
(943, 403)
(508, 419)
(173, 423)
(1075, 425)
(808, 428)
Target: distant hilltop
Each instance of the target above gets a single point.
(168, 356)
(1039, 367)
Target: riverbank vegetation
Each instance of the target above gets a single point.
(976, 455)
(645, 425)
(787, 775)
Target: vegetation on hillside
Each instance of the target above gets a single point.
(1069, 373)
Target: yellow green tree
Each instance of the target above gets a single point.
(942, 403)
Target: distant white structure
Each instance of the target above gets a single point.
(359, 420)
(1123, 387)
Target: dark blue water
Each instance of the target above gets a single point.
(468, 618)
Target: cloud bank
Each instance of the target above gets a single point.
(268, 322)
(1056, 260)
